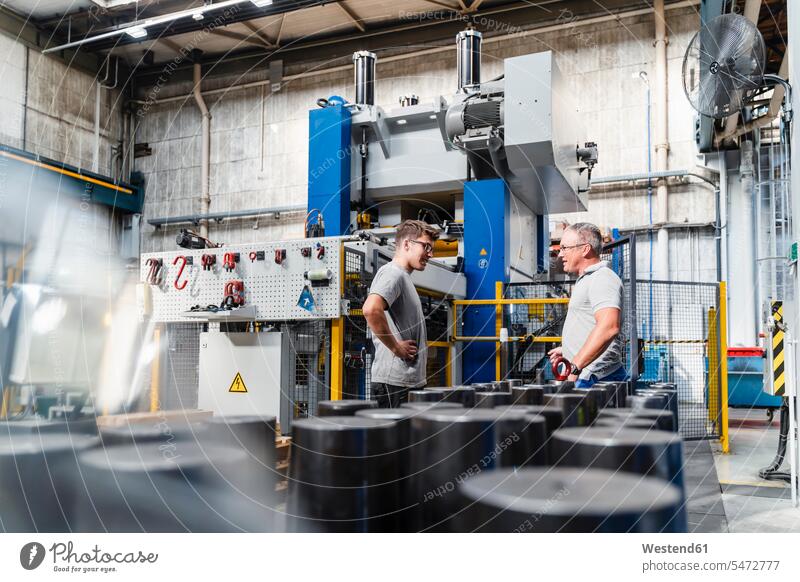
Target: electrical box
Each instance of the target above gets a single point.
(244, 373)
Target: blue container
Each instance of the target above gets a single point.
(746, 380)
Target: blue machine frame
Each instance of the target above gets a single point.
(329, 166)
(486, 261)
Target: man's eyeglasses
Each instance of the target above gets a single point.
(566, 247)
(427, 246)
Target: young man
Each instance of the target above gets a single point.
(591, 340)
(400, 347)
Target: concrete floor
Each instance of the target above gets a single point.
(744, 502)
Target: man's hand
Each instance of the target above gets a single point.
(554, 354)
(406, 350)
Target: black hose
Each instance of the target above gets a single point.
(771, 472)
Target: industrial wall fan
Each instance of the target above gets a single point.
(723, 69)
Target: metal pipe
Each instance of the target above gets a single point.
(662, 138)
(197, 218)
(468, 51)
(364, 70)
(205, 150)
(96, 147)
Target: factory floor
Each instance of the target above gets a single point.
(725, 491)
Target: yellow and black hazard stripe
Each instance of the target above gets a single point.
(778, 377)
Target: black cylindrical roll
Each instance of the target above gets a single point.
(427, 395)
(554, 416)
(154, 488)
(564, 387)
(344, 474)
(657, 401)
(516, 382)
(40, 480)
(343, 407)
(573, 406)
(596, 397)
(617, 393)
(364, 68)
(403, 519)
(491, 399)
(623, 422)
(464, 395)
(256, 434)
(450, 445)
(427, 405)
(164, 432)
(570, 500)
(528, 394)
(663, 418)
(669, 393)
(656, 453)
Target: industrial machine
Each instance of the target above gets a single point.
(486, 165)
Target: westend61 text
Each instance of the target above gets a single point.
(670, 549)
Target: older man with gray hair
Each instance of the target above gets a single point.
(591, 340)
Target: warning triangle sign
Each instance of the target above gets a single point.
(238, 384)
(483, 252)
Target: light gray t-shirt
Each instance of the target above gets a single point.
(599, 287)
(406, 322)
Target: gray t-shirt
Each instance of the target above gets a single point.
(406, 322)
(598, 288)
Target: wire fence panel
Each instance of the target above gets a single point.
(181, 375)
(528, 360)
(680, 345)
(621, 257)
(309, 373)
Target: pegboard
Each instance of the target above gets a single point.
(272, 289)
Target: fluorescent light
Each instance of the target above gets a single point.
(401, 122)
(137, 31)
(261, 3)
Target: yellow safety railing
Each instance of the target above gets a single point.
(718, 367)
(498, 302)
(723, 348)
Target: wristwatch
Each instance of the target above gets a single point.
(575, 370)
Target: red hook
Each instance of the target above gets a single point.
(180, 272)
(559, 375)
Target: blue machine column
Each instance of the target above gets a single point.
(486, 260)
(329, 166)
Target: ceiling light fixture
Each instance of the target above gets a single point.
(136, 31)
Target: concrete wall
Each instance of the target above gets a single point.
(56, 118)
(259, 140)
